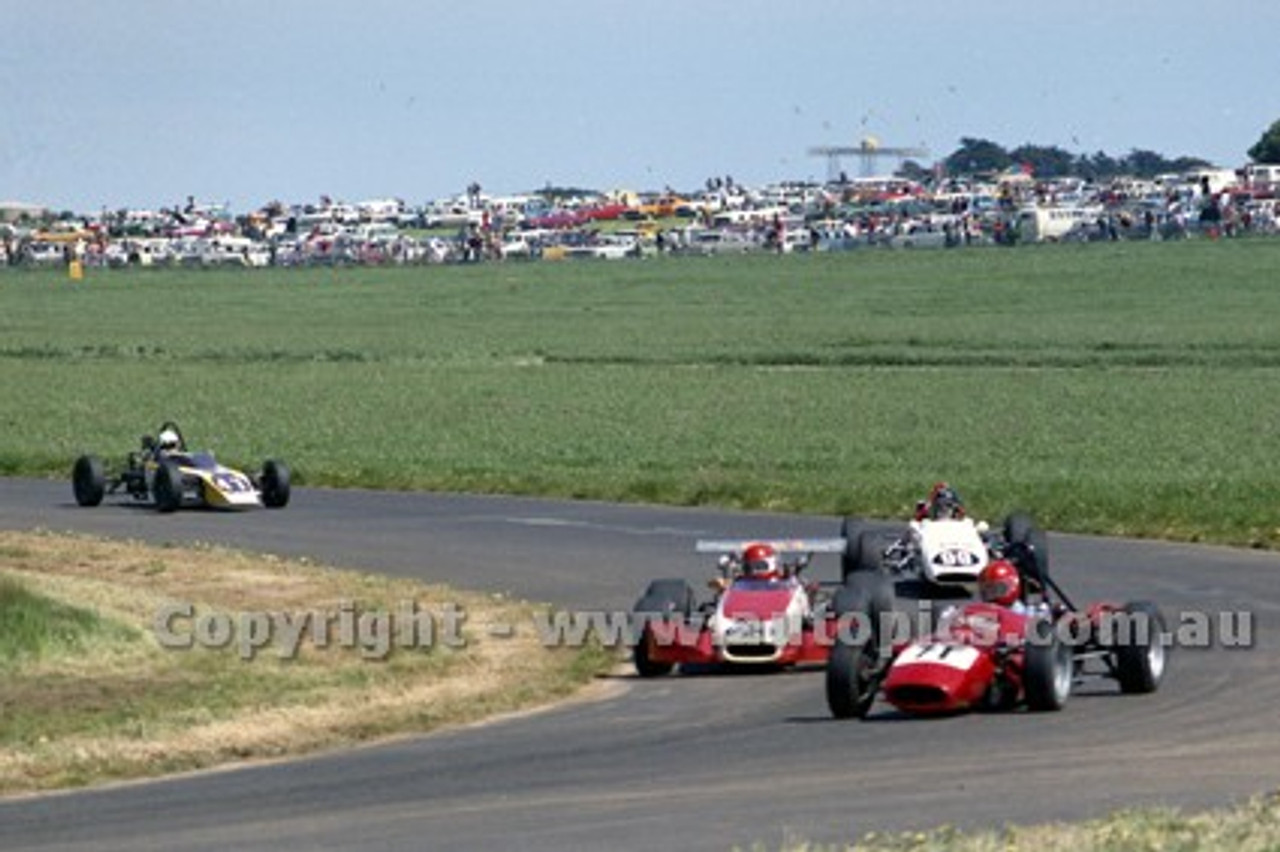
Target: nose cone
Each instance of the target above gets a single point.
(938, 678)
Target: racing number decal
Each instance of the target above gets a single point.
(230, 482)
(957, 558)
(955, 656)
(745, 632)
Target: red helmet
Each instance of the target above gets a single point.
(759, 560)
(999, 583)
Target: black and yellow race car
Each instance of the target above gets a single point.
(170, 476)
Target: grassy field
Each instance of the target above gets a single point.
(91, 693)
(1124, 388)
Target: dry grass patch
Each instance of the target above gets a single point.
(93, 692)
(1251, 827)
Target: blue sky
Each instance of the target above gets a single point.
(140, 103)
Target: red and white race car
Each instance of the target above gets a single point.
(1024, 644)
(762, 612)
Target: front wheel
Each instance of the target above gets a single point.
(274, 484)
(853, 678)
(166, 488)
(645, 665)
(1048, 669)
(88, 481)
(663, 599)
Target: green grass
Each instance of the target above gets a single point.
(33, 626)
(89, 693)
(1124, 388)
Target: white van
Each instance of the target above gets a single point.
(1262, 176)
(1050, 224)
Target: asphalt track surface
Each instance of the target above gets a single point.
(686, 762)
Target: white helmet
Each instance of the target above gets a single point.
(169, 440)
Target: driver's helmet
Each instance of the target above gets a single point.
(945, 503)
(999, 583)
(168, 441)
(760, 560)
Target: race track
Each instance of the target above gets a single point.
(692, 762)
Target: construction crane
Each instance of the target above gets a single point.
(868, 151)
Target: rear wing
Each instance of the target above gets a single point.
(783, 545)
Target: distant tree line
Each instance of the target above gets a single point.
(982, 156)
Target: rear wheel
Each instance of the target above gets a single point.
(274, 484)
(1047, 669)
(670, 598)
(851, 531)
(1140, 654)
(1027, 547)
(88, 480)
(865, 594)
(863, 552)
(166, 488)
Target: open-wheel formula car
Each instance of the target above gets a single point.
(168, 475)
(762, 611)
(1024, 643)
(944, 550)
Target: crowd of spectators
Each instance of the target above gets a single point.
(723, 216)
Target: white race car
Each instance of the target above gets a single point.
(944, 549)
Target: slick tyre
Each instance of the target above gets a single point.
(868, 596)
(851, 530)
(274, 484)
(645, 665)
(852, 678)
(166, 488)
(1140, 650)
(1048, 669)
(1028, 547)
(669, 598)
(864, 554)
(88, 481)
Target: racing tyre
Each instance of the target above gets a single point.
(1140, 650)
(1027, 547)
(646, 667)
(88, 481)
(863, 554)
(869, 594)
(851, 531)
(662, 599)
(166, 488)
(853, 678)
(666, 596)
(1048, 668)
(274, 484)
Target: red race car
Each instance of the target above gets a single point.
(1024, 644)
(762, 612)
